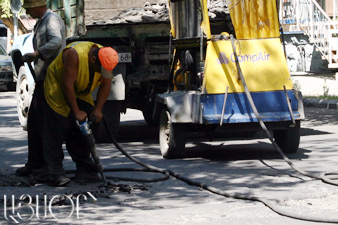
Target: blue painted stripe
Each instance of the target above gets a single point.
(272, 106)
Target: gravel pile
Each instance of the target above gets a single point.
(158, 12)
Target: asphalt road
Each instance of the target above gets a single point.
(235, 166)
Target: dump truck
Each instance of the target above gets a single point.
(140, 40)
(188, 65)
(139, 34)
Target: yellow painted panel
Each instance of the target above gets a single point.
(205, 22)
(254, 19)
(172, 28)
(262, 62)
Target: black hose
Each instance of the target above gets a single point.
(143, 180)
(148, 168)
(32, 71)
(269, 204)
(323, 176)
(191, 182)
(261, 123)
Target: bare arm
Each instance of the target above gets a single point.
(102, 96)
(71, 65)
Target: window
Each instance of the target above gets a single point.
(3, 32)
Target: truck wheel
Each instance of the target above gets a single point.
(148, 115)
(172, 137)
(288, 140)
(23, 97)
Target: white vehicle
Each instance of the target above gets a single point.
(22, 76)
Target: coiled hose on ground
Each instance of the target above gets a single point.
(167, 173)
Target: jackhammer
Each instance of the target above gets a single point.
(90, 141)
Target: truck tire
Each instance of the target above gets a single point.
(111, 111)
(288, 140)
(172, 137)
(148, 115)
(23, 97)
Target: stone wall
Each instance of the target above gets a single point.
(102, 10)
(128, 11)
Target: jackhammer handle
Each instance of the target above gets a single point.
(95, 156)
(32, 71)
(98, 164)
(98, 168)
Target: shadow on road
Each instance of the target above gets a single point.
(224, 146)
(320, 116)
(233, 152)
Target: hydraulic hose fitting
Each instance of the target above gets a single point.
(84, 127)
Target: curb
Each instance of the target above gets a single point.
(320, 103)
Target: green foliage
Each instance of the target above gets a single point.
(296, 85)
(5, 6)
(5, 9)
(325, 90)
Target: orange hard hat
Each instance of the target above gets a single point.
(108, 58)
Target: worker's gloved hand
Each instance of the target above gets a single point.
(80, 116)
(30, 57)
(96, 115)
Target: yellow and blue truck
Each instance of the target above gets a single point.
(219, 79)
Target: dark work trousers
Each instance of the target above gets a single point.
(59, 129)
(35, 128)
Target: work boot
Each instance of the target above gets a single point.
(41, 174)
(40, 171)
(41, 178)
(58, 180)
(25, 171)
(87, 177)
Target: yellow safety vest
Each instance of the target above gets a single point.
(54, 79)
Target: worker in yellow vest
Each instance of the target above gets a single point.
(77, 71)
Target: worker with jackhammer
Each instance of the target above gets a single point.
(48, 40)
(79, 69)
